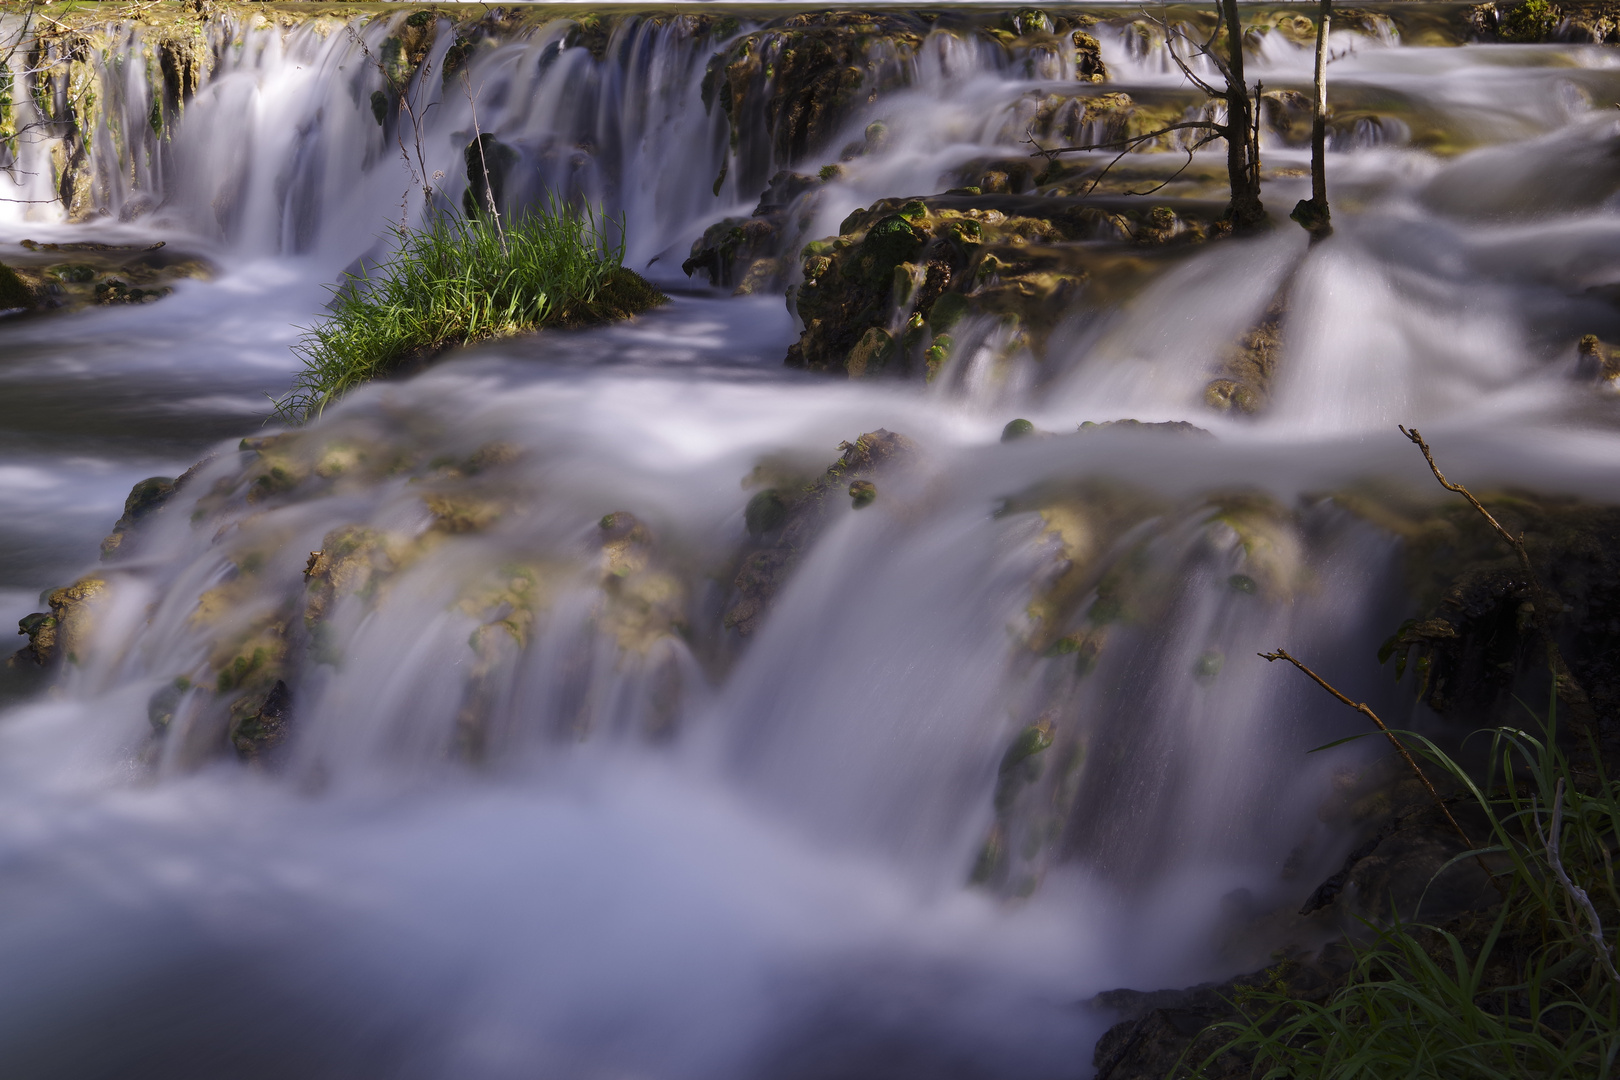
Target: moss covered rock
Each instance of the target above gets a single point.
(799, 77)
(61, 633)
(886, 295)
(747, 254)
(15, 294)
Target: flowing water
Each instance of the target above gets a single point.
(540, 813)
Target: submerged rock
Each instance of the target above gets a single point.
(1597, 362)
(256, 730)
(15, 294)
(1244, 385)
(790, 515)
(97, 274)
(746, 253)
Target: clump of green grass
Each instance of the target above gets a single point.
(1529, 990)
(459, 280)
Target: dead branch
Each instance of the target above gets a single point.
(1542, 602)
(1051, 152)
(1173, 31)
(483, 162)
(1394, 740)
(1194, 148)
(1600, 945)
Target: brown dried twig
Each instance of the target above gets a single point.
(1394, 740)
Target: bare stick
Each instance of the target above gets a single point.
(1542, 603)
(1595, 932)
(1319, 111)
(1400, 747)
(478, 137)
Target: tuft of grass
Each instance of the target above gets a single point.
(459, 280)
(1527, 991)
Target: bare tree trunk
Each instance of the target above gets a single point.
(1313, 212)
(1319, 112)
(1242, 137)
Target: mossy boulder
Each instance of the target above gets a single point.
(61, 633)
(143, 499)
(887, 295)
(15, 294)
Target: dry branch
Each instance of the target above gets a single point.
(1400, 748)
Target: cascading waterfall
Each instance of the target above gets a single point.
(528, 785)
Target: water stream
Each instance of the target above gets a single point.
(541, 813)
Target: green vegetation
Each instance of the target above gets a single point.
(460, 280)
(1528, 22)
(1528, 990)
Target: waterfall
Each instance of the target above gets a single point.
(481, 727)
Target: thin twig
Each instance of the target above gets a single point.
(1575, 892)
(1051, 152)
(478, 138)
(1542, 602)
(1394, 740)
(1195, 147)
(1171, 32)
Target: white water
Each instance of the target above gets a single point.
(760, 872)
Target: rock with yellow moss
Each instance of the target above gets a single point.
(61, 633)
(885, 295)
